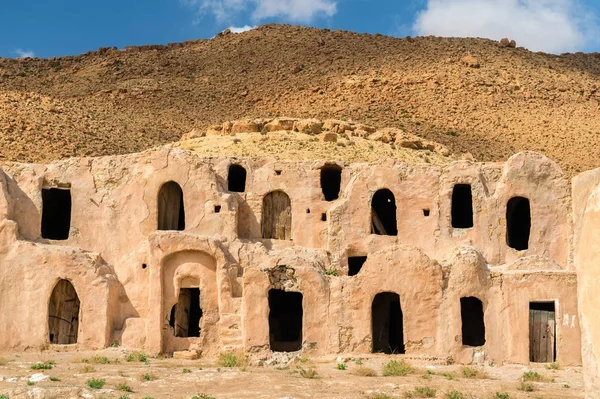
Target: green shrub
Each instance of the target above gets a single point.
(532, 376)
(365, 372)
(137, 357)
(525, 387)
(421, 392)
(454, 394)
(469, 372)
(341, 366)
(95, 383)
(54, 379)
(3, 396)
(124, 387)
(203, 396)
(148, 377)
(228, 359)
(397, 368)
(308, 373)
(501, 395)
(123, 397)
(331, 272)
(47, 365)
(553, 366)
(186, 371)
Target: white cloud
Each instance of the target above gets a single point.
(540, 25)
(24, 53)
(240, 29)
(289, 10)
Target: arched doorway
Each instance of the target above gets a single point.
(63, 314)
(383, 213)
(277, 216)
(387, 323)
(171, 213)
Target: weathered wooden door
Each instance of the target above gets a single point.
(171, 215)
(277, 216)
(542, 331)
(182, 313)
(63, 314)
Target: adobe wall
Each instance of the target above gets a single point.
(127, 274)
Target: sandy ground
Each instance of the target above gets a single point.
(170, 378)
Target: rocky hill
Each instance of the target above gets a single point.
(471, 95)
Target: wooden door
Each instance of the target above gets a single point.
(182, 313)
(542, 331)
(63, 314)
(170, 207)
(277, 216)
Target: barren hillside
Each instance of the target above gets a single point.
(118, 101)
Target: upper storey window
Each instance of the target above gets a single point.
(56, 213)
(383, 213)
(236, 179)
(462, 206)
(277, 216)
(171, 213)
(518, 223)
(331, 180)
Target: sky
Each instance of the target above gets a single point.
(49, 28)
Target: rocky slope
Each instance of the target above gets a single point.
(471, 95)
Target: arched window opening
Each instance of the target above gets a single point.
(383, 213)
(473, 326)
(285, 321)
(56, 213)
(387, 324)
(186, 314)
(171, 213)
(542, 332)
(277, 216)
(518, 223)
(236, 179)
(331, 180)
(462, 206)
(63, 314)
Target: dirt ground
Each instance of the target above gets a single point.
(72, 372)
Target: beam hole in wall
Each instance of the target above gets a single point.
(236, 178)
(278, 172)
(285, 321)
(542, 332)
(144, 266)
(426, 212)
(387, 324)
(56, 213)
(462, 206)
(355, 263)
(331, 180)
(383, 213)
(518, 223)
(277, 216)
(473, 326)
(323, 217)
(186, 313)
(171, 212)
(308, 211)
(63, 314)
(217, 208)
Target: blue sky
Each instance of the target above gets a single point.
(63, 27)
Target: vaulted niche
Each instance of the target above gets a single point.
(383, 213)
(277, 216)
(473, 326)
(236, 179)
(186, 313)
(518, 223)
(285, 321)
(63, 314)
(56, 213)
(331, 180)
(462, 206)
(171, 213)
(387, 324)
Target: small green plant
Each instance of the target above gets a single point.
(469, 372)
(114, 345)
(137, 357)
(397, 368)
(308, 373)
(532, 376)
(30, 383)
(427, 375)
(421, 392)
(358, 362)
(566, 386)
(341, 366)
(380, 395)
(365, 372)
(123, 397)
(501, 395)
(454, 394)
(186, 371)
(100, 360)
(3, 396)
(525, 387)
(331, 272)
(203, 396)
(96, 383)
(148, 377)
(447, 376)
(229, 359)
(124, 387)
(553, 366)
(47, 365)
(54, 379)
(303, 360)
(88, 369)
(451, 133)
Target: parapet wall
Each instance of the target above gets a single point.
(128, 274)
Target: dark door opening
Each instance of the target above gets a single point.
(387, 323)
(355, 263)
(171, 212)
(383, 213)
(63, 314)
(285, 321)
(56, 213)
(331, 180)
(473, 325)
(186, 313)
(462, 206)
(236, 179)
(542, 332)
(277, 216)
(518, 223)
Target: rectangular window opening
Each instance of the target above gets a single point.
(56, 213)
(462, 206)
(355, 264)
(285, 320)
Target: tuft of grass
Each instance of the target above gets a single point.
(3, 396)
(553, 366)
(101, 360)
(30, 383)
(47, 365)
(566, 386)
(341, 366)
(137, 357)
(331, 272)
(96, 383)
(525, 387)
(203, 396)
(3, 361)
(469, 372)
(186, 371)
(501, 395)
(148, 377)
(447, 376)
(365, 372)
(454, 394)
(421, 392)
(532, 376)
(308, 373)
(358, 362)
(88, 369)
(54, 379)
(124, 387)
(123, 397)
(230, 359)
(397, 368)
(380, 395)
